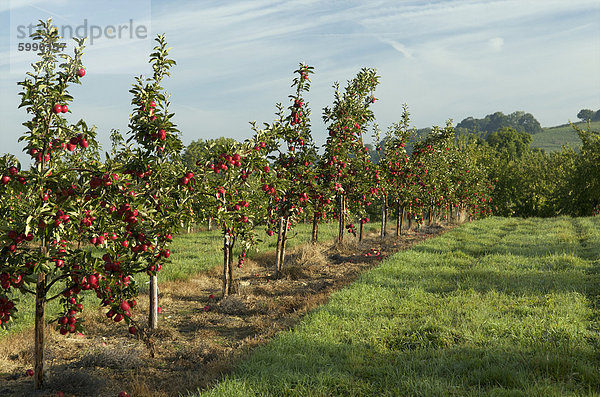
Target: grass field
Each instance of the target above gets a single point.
(553, 138)
(191, 253)
(502, 307)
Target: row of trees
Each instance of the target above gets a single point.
(530, 182)
(99, 227)
(444, 175)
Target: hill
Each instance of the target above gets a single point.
(553, 138)
(549, 139)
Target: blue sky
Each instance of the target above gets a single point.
(445, 59)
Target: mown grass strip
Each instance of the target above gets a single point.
(502, 307)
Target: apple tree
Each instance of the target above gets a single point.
(396, 168)
(227, 183)
(346, 162)
(49, 206)
(158, 188)
(288, 181)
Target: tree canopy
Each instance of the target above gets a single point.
(588, 115)
(519, 121)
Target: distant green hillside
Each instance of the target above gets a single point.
(549, 139)
(553, 138)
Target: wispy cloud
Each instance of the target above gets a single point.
(402, 49)
(496, 43)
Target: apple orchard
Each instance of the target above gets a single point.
(101, 229)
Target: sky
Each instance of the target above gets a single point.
(446, 59)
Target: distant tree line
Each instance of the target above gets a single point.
(529, 182)
(519, 121)
(588, 115)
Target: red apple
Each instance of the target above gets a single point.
(57, 108)
(81, 72)
(64, 109)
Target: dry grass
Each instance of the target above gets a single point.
(199, 339)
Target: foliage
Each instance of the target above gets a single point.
(289, 186)
(519, 120)
(507, 140)
(580, 191)
(530, 182)
(400, 182)
(346, 164)
(292, 153)
(588, 115)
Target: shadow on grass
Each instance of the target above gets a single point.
(303, 367)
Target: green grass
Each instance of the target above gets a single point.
(498, 307)
(191, 254)
(553, 138)
(196, 252)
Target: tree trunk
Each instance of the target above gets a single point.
(400, 220)
(315, 229)
(342, 217)
(360, 235)
(153, 306)
(283, 242)
(209, 224)
(230, 267)
(383, 217)
(429, 216)
(279, 246)
(226, 264)
(40, 307)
